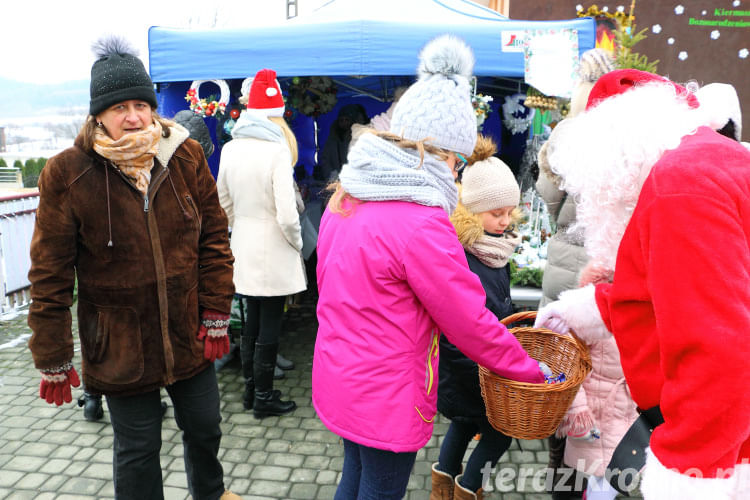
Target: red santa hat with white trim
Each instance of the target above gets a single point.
(721, 105)
(265, 94)
(621, 80)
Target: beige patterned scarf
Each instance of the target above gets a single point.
(494, 251)
(132, 153)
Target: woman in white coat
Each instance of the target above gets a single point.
(256, 190)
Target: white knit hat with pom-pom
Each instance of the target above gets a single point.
(489, 185)
(437, 107)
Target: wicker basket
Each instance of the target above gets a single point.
(534, 411)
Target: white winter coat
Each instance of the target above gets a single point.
(256, 190)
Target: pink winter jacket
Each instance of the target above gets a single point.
(392, 275)
(602, 401)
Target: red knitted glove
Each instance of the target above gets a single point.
(55, 385)
(214, 326)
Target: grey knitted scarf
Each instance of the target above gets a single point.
(378, 170)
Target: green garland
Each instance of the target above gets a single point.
(525, 276)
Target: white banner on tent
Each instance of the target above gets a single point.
(551, 60)
(512, 40)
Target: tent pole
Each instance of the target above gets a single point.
(352, 87)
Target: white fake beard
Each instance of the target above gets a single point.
(604, 156)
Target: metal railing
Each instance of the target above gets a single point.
(17, 217)
(11, 176)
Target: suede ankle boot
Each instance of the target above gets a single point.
(442, 485)
(461, 493)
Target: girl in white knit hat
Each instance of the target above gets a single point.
(484, 223)
(392, 276)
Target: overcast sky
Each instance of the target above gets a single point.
(49, 41)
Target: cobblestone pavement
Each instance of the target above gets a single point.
(53, 453)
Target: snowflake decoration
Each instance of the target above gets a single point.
(682, 55)
(736, 3)
(679, 10)
(605, 9)
(715, 34)
(703, 13)
(656, 28)
(579, 7)
(670, 41)
(620, 8)
(743, 53)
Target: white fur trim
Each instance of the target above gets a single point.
(270, 91)
(719, 104)
(660, 483)
(579, 309)
(168, 145)
(266, 111)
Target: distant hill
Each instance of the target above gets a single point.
(23, 99)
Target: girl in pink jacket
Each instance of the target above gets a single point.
(392, 275)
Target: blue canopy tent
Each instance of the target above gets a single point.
(366, 47)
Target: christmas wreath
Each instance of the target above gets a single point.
(208, 106)
(481, 105)
(516, 117)
(312, 95)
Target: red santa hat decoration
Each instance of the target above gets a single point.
(621, 80)
(720, 104)
(265, 94)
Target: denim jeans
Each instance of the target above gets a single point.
(136, 422)
(490, 448)
(372, 474)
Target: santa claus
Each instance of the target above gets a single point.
(664, 204)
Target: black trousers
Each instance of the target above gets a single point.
(490, 448)
(264, 318)
(136, 422)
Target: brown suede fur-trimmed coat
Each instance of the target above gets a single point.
(146, 266)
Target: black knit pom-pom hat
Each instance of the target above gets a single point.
(118, 75)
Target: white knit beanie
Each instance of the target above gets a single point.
(488, 185)
(437, 107)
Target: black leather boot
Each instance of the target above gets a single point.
(564, 478)
(92, 406)
(247, 353)
(267, 401)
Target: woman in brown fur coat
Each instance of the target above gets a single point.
(130, 213)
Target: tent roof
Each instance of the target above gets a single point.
(346, 37)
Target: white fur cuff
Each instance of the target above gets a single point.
(582, 314)
(660, 483)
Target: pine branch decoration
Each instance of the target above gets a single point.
(626, 58)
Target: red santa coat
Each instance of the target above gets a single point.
(679, 309)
